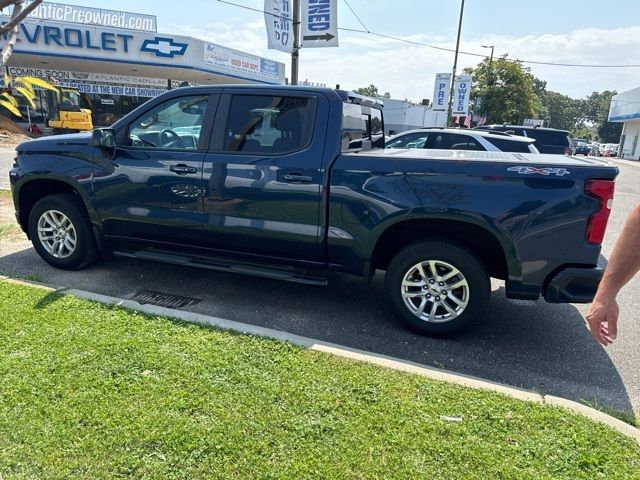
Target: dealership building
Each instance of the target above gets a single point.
(625, 108)
(118, 60)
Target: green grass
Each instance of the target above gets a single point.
(11, 232)
(90, 391)
(5, 194)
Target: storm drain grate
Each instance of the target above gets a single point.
(164, 299)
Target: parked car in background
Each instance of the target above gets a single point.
(547, 140)
(610, 150)
(582, 148)
(458, 139)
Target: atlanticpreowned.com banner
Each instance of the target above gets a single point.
(318, 23)
(277, 17)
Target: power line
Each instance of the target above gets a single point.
(435, 47)
(356, 15)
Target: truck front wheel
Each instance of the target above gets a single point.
(437, 287)
(61, 232)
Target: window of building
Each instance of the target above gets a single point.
(268, 124)
(174, 124)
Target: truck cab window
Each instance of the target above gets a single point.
(174, 124)
(268, 124)
(360, 122)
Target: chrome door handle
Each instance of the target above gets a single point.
(183, 169)
(297, 178)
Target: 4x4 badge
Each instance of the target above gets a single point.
(539, 171)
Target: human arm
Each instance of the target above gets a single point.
(623, 265)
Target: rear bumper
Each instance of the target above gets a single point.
(575, 284)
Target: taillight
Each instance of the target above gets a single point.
(602, 190)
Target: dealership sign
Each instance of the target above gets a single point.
(239, 61)
(277, 18)
(93, 16)
(99, 44)
(461, 95)
(319, 23)
(441, 92)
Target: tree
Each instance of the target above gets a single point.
(595, 109)
(370, 91)
(560, 111)
(22, 85)
(506, 92)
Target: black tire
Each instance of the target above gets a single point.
(443, 252)
(85, 250)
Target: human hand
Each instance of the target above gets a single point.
(603, 320)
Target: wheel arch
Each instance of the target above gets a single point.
(479, 239)
(34, 189)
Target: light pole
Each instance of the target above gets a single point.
(295, 51)
(491, 57)
(455, 63)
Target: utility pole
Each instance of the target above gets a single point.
(455, 63)
(295, 52)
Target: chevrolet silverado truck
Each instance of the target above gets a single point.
(288, 182)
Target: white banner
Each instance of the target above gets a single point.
(239, 61)
(441, 92)
(277, 18)
(319, 23)
(461, 95)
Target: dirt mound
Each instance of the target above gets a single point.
(10, 132)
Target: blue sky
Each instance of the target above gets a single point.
(572, 31)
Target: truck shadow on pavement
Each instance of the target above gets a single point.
(532, 345)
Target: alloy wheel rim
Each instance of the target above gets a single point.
(435, 291)
(57, 234)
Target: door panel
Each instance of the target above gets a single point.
(263, 181)
(152, 188)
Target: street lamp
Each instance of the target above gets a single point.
(491, 57)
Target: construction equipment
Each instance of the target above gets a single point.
(65, 113)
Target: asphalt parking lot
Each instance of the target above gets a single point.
(533, 345)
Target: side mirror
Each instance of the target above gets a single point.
(104, 138)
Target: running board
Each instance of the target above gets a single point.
(223, 265)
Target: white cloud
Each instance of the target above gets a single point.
(407, 71)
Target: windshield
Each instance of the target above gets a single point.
(69, 97)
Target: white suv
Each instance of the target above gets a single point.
(459, 139)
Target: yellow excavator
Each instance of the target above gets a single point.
(65, 113)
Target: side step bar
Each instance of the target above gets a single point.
(223, 265)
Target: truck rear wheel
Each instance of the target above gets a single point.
(61, 232)
(437, 287)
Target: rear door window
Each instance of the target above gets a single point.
(506, 145)
(410, 140)
(268, 124)
(550, 137)
(453, 141)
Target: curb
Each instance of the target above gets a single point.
(350, 353)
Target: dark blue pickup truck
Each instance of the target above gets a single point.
(288, 182)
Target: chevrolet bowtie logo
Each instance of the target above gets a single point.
(164, 47)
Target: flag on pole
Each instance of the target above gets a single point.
(457, 120)
(467, 121)
(482, 121)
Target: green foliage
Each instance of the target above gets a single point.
(596, 110)
(506, 92)
(370, 91)
(560, 111)
(91, 391)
